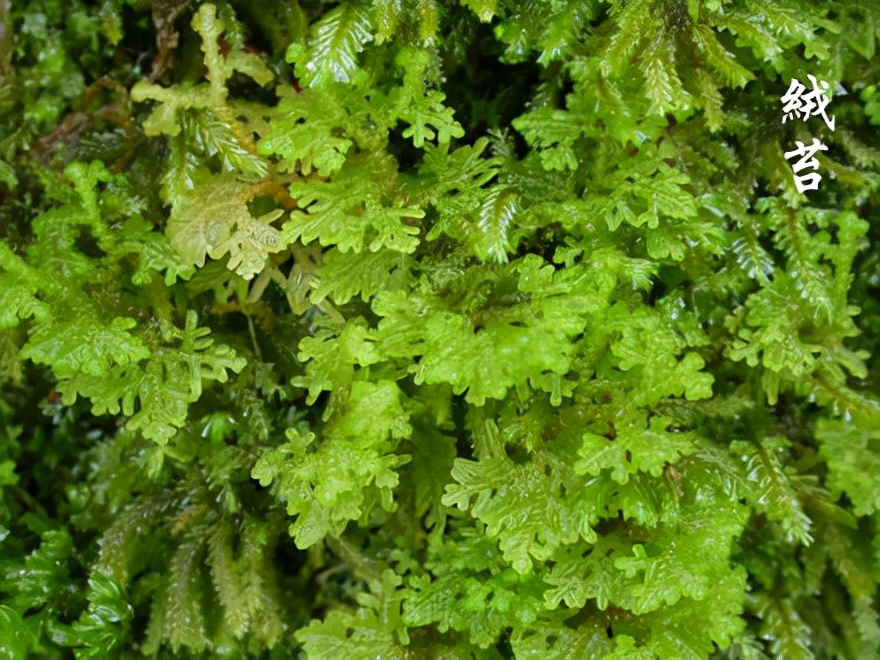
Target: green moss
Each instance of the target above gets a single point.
(419, 329)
